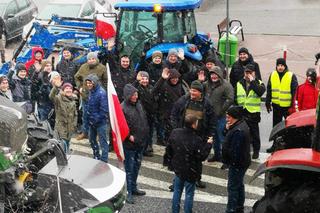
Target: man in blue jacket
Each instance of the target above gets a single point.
(98, 114)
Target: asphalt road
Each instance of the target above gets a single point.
(270, 17)
(155, 180)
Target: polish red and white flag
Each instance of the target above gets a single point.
(104, 27)
(118, 123)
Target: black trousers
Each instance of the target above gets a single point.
(279, 113)
(255, 135)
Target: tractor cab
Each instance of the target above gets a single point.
(157, 25)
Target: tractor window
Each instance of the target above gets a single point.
(136, 28)
(173, 27)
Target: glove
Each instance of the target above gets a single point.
(269, 108)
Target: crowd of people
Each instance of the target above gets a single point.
(192, 109)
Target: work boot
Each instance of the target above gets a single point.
(214, 159)
(138, 192)
(129, 199)
(81, 136)
(224, 166)
(161, 142)
(200, 184)
(271, 149)
(255, 155)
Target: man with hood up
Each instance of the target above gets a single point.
(282, 85)
(97, 111)
(91, 67)
(67, 67)
(220, 94)
(34, 64)
(135, 142)
(4, 87)
(237, 70)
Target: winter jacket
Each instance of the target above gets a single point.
(6, 94)
(119, 75)
(185, 151)
(29, 64)
(136, 120)
(21, 91)
(236, 146)
(84, 71)
(97, 105)
(67, 70)
(220, 95)
(182, 66)
(146, 98)
(41, 88)
(237, 70)
(66, 113)
(167, 95)
(258, 89)
(154, 70)
(206, 126)
(307, 96)
(293, 86)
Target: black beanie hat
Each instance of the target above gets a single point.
(243, 50)
(174, 73)
(235, 112)
(20, 67)
(311, 72)
(283, 62)
(197, 85)
(250, 68)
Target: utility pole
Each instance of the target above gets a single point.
(227, 53)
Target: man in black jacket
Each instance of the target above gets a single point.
(186, 150)
(248, 95)
(135, 142)
(195, 104)
(236, 154)
(2, 53)
(237, 70)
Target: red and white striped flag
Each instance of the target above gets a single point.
(119, 126)
(104, 27)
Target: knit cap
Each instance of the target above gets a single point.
(65, 85)
(92, 55)
(197, 85)
(235, 112)
(244, 50)
(157, 54)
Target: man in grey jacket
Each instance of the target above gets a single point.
(220, 94)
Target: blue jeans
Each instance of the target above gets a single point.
(66, 145)
(236, 193)
(221, 123)
(132, 165)
(44, 110)
(85, 118)
(189, 194)
(101, 131)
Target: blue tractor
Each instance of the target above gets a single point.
(76, 33)
(160, 25)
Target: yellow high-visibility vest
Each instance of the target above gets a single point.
(252, 102)
(281, 90)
